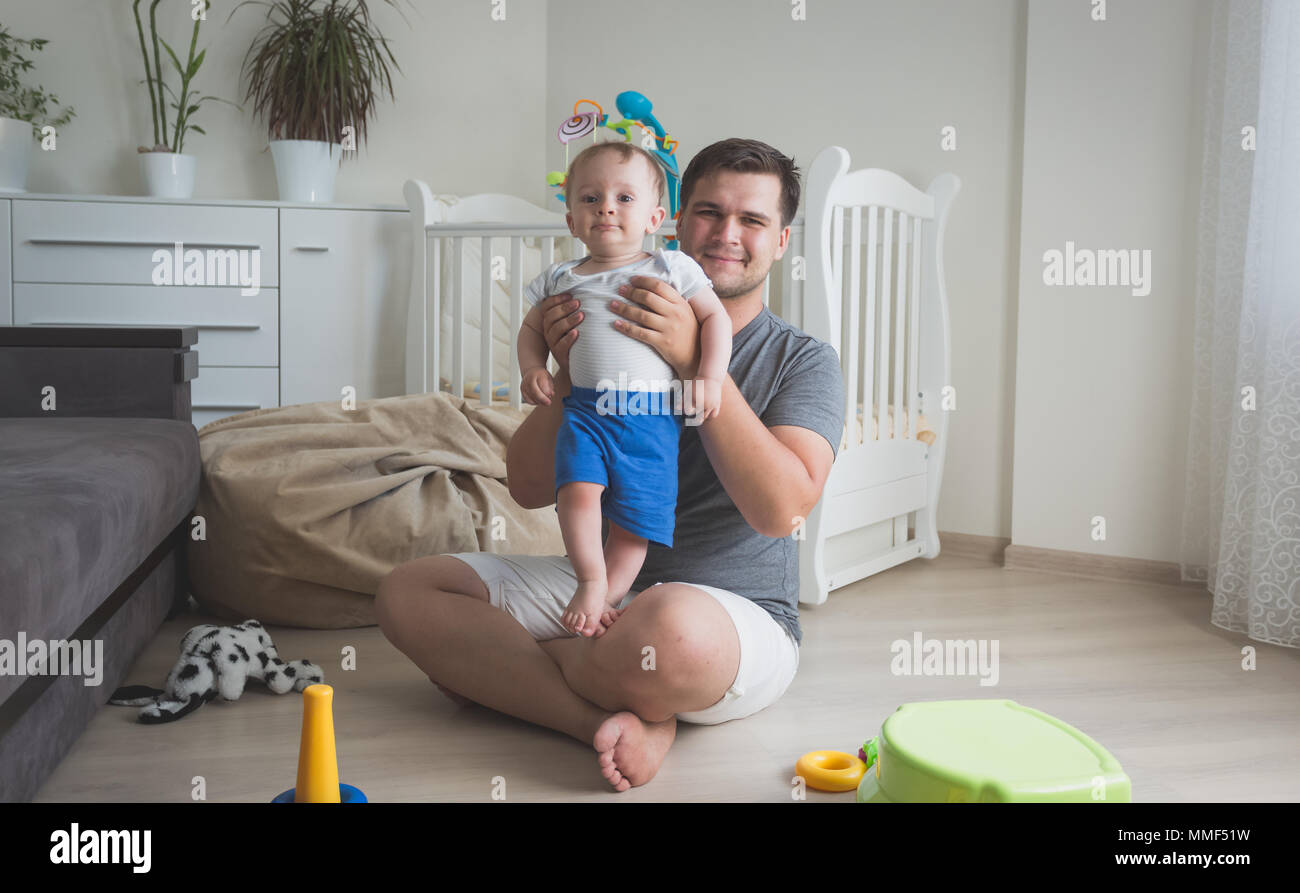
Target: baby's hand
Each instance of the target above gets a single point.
(537, 386)
(705, 399)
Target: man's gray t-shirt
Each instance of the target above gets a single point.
(788, 377)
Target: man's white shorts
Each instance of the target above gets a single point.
(536, 589)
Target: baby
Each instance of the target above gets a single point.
(616, 449)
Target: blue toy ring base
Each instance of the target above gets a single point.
(347, 794)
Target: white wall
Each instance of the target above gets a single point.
(1111, 160)
(470, 92)
(881, 79)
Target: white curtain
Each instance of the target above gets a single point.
(1241, 522)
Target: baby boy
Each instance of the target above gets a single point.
(616, 449)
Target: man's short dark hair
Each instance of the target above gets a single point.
(746, 157)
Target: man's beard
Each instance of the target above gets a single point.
(748, 283)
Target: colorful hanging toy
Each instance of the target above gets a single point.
(636, 110)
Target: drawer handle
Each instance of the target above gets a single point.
(132, 243)
(242, 327)
(226, 406)
(311, 248)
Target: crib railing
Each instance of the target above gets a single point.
(886, 313)
(879, 303)
(447, 243)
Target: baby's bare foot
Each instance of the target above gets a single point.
(582, 617)
(631, 750)
(607, 619)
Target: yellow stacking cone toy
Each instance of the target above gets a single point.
(318, 764)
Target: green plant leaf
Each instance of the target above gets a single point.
(180, 69)
(30, 104)
(219, 99)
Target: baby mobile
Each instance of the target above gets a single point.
(636, 110)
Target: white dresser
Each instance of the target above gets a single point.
(321, 307)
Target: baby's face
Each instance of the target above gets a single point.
(612, 205)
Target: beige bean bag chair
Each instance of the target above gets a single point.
(306, 508)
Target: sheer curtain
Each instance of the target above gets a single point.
(1241, 522)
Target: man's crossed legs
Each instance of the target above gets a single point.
(487, 627)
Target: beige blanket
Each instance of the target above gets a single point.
(306, 508)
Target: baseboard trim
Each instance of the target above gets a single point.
(1084, 564)
(969, 545)
(1000, 551)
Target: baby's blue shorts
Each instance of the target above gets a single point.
(634, 455)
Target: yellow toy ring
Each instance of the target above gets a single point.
(830, 770)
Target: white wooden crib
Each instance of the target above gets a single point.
(885, 312)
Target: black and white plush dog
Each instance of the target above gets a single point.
(217, 660)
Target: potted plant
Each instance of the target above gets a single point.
(315, 74)
(23, 110)
(166, 170)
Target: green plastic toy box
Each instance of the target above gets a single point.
(991, 751)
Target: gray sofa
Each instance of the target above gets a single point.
(99, 474)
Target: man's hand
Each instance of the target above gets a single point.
(560, 318)
(656, 314)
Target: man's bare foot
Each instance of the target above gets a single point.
(582, 617)
(630, 749)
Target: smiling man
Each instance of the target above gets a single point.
(710, 629)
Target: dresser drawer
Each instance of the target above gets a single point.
(234, 329)
(115, 243)
(224, 390)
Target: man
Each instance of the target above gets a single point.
(719, 610)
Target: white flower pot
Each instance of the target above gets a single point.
(15, 151)
(167, 175)
(305, 169)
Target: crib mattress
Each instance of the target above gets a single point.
(924, 431)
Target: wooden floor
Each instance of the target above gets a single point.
(1137, 667)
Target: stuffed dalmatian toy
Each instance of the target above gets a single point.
(217, 660)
